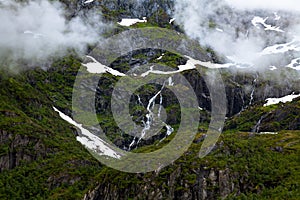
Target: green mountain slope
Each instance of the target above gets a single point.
(40, 157)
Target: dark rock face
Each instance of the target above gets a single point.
(137, 8)
(157, 10)
(242, 88)
(208, 184)
(286, 117)
(22, 148)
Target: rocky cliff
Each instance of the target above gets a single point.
(257, 157)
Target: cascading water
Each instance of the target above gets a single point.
(151, 116)
(257, 126)
(253, 90)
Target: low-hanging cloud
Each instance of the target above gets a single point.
(274, 5)
(38, 29)
(225, 26)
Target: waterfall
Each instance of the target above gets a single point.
(170, 130)
(150, 115)
(257, 126)
(160, 105)
(132, 143)
(139, 100)
(170, 81)
(253, 90)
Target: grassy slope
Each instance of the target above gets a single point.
(61, 167)
(65, 170)
(265, 172)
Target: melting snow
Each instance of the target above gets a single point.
(98, 68)
(282, 48)
(200, 108)
(272, 68)
(288, 98)
(220, 30)
(172, 20)
(160, 57)
(88, 1)
(295, 64)
(190, 64)
(267, 133)
(258, 20)
(90, 140)
(212, 65)
(129, 22)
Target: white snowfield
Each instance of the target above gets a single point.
(295, 64)
(282, 48)
(288, 98)
(90, 140)
(130, 22)
(190, 64)
(258, 20)
(98, 68)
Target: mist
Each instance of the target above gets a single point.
(38, 29)
(277, 5)
(226, 26)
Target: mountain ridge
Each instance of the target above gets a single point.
(256, 157)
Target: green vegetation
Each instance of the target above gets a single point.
(282, 116)
(45, 160)
(53, 165)
(252, 161)
(41, 159)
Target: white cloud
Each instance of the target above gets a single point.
(38, 29)
(276, 5)
(239, 39)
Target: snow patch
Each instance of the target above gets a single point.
(288, 98)
(272, 68)
(172, 20)
(295, 64)
(88, 1)
(200, 108)
(258, 20)
(98, 68)
(282, 48)
(220, 30)
(160, 57)
(190, 64)
(130, 22)
(267, 133)
(90, 140)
